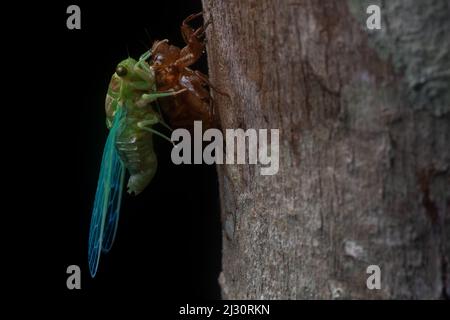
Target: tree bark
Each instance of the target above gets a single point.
(364, 119)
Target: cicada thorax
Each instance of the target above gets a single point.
(134, 145)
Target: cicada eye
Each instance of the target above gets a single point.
(121, 71)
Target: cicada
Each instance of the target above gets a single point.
(131, 115)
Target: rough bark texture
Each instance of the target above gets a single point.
(364, 119)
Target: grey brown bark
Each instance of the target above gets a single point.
(364, 119)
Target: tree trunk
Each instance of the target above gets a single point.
(364, 119)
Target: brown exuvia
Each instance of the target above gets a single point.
(171, 65)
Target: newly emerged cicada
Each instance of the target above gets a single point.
(131, 114)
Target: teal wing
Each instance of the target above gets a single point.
(112, 215)
(105, 214)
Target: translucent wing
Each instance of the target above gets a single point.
(105, 213)
(112, 215)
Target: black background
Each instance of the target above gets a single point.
(169, 238)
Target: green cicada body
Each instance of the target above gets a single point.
(131, 114)
(133, 143)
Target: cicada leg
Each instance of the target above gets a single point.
(145, 55)
(194, 44)
(188, 32)
(146, 125)
(147, 98)
(144, 71)
(186, 29)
